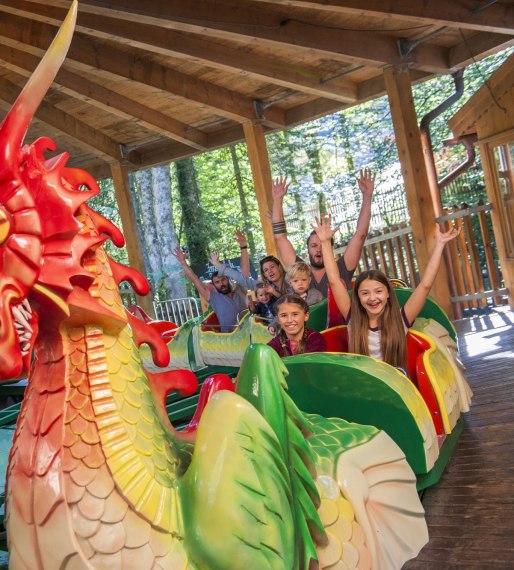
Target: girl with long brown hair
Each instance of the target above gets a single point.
(377, 325)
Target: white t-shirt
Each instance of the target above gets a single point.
(374, 337)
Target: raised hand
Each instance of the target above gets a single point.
(323, 228)
(279, 187)
(366, 181)
(241, 238)
(442, 238)
(179, 255)
(214, 258)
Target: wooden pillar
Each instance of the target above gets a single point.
(261, 173)
(417, 187)
(502, 226)
(130, 228)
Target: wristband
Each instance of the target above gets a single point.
(279, 227)
(243, 247)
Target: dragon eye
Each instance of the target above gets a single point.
(5, 224)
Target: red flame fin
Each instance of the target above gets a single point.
(143, 333)
(106, 227)
(212, 384)
(135, 278)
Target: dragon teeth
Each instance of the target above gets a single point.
(20, 317)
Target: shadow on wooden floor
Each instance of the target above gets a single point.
(470, 513)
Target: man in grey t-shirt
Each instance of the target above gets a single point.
(348, 262)
(226, 301)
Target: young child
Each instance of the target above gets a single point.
(263, 307)
(294, 337)
(377, 325)
(298, 277)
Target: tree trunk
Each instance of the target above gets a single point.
(144, 182)
(344, 133)
(192, 212)
(139, 219)
(247, 226)
(173, 277)
(312, 151)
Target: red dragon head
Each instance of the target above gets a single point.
(21, 232)
(42, 239)
(48, 234)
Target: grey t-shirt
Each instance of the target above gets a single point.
(228, 308)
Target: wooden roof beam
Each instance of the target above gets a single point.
(479, 45)
(71, 126)
(371, 48)
(497, 17)
(107, 56)
(168, 42)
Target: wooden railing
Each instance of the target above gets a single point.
(473, 271)
(391, 251)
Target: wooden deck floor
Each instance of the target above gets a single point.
(470, 513)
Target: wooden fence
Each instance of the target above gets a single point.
(473, 271)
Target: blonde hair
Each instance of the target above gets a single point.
(392, 340)
(298, 267)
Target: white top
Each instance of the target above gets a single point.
(374, 337)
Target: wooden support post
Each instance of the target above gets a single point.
(130, 229)
(502, 224)
(417, 188)
(261, 173)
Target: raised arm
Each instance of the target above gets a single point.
(245, 258)
(415, 302)
(203, 290)
(284, 246)
(246, 281)
(325, 233)
(353, 250)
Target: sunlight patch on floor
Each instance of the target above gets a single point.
(484, 333)
(482, 343)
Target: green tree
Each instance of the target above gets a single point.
(193, 217)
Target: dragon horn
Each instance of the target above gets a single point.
(15, 125)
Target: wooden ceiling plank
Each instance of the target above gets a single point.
(90, 91)
(151, 32)
(497, 17)
(108, 57)
(478, 46)
(372, 48)
(211, 54)
(71, 126)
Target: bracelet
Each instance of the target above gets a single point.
(243, 247)
(279, 227)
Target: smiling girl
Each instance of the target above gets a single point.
(377, 325)
(294, 337)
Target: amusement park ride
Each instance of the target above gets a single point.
(269, 473)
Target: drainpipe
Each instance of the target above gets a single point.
(426, 141)
(469, 143)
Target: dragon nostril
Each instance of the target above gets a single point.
(5, 224)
